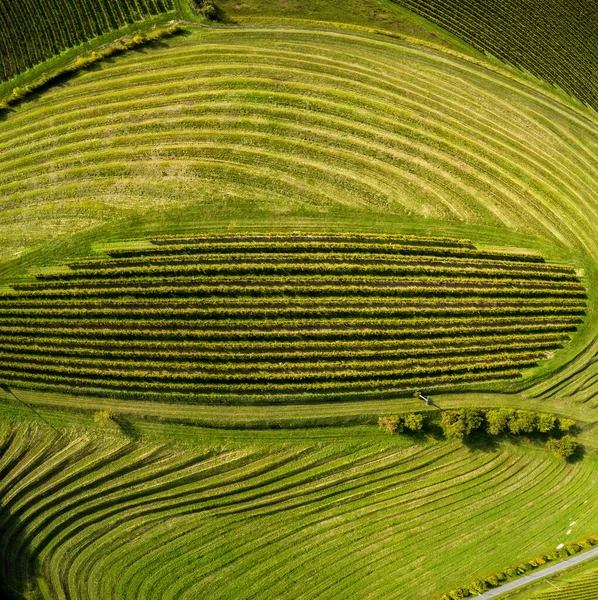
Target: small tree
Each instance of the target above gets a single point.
(563, 447)
(498, 420)
(453, 426)
(523, 421)
(472, 419)
(391, 424)
(566, 424)
(102, 417)
(414, 422)
(546, 422)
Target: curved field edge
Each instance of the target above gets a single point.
(97, 513)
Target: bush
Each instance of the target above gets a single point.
(459, 425)
(480, 586)
(523, 421)
(102, 417)
(208, 9)
(563, 447)
(498, 420)
(390, 424)
(453, 426)
(472, 419)
(459, 593)
(566, 424)
(546, 422)
(414, 422)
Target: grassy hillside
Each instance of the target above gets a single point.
(33, 31)
(555, 40)
(97, 515)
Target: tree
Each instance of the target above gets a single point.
(566, 424)
(390, 424)
(523, 421)
(546, 422)
(563, 447)
(102, 417)
(498, 420)
(453, 426)
(472, 419)
(414, 422)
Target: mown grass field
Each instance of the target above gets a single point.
(253, 130)
(98, 515)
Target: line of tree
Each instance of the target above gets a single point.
(479, 586)
(464, 423)
(459, 425)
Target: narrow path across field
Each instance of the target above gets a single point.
(513, 585)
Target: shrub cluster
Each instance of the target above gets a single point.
(208, 9)
(481, 585)
(396, 424)
(458, 424)
(83, 62)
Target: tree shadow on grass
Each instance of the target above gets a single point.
(578, 455)
(127, 427)
(18, 579)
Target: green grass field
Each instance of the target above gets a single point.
(247, 243)
(97, 515)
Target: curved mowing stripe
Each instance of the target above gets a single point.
(97, 516)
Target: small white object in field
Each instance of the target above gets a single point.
(568, 532)
(560, 546)
(573, 523)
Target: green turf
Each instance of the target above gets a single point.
(98, 515)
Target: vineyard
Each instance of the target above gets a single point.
(583, 588)
(32, 31)
(102, 516)
(275, 315)
(555, 40)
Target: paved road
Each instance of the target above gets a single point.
(513, 585)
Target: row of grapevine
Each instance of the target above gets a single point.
(309, 328)
(555, 40)
(31, 32)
